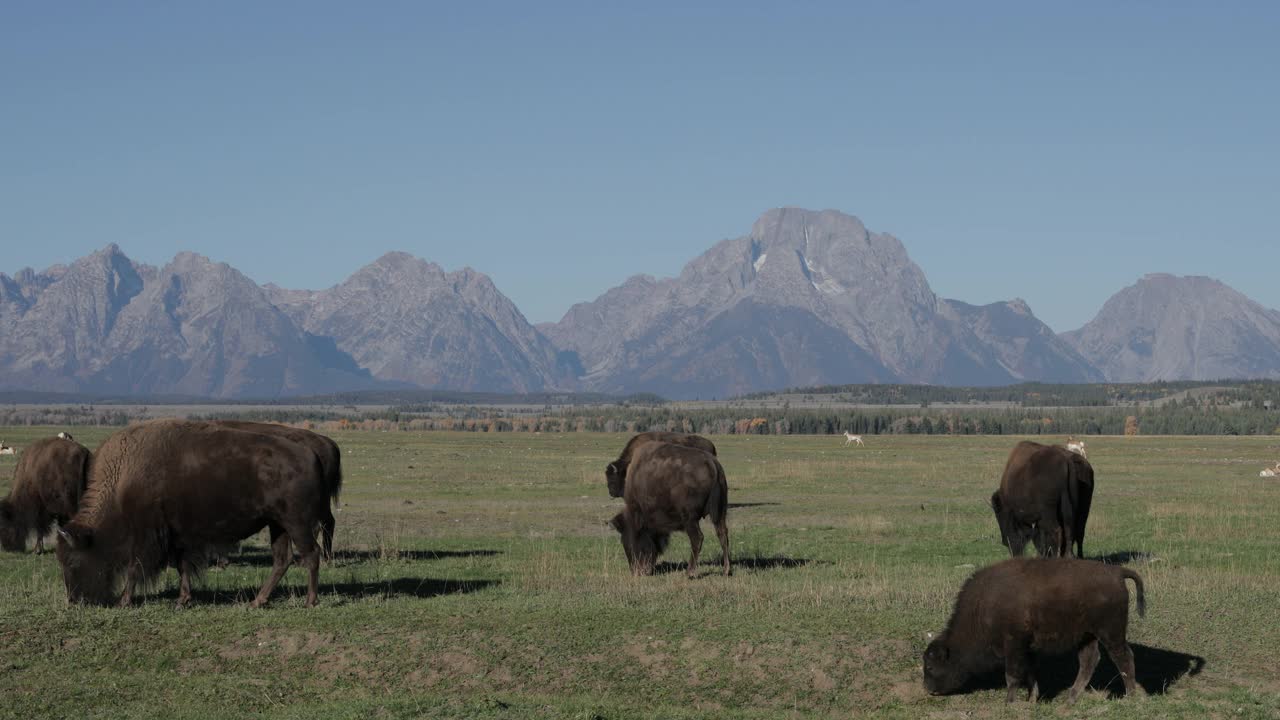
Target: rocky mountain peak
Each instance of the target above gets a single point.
(1165, 327)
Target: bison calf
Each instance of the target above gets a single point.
(671, 487)
(1011, 612)
(47, 485)
(615, 473)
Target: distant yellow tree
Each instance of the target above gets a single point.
(1131, 426)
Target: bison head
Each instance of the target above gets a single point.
(642, 546)
(12, 537)
(615, 476)
(942, 674)
(87, 571)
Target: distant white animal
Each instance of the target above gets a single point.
(5, 449)
(851, 438)
(65, 436)
(1267, 472)
(1076, 446)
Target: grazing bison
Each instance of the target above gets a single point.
(1011, 612)
(1044, 497)
(615, 473)
(167, 491)
(330, 461)
(672, 487)
(47, 485)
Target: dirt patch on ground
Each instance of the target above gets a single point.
(332, 660)
(458, 668)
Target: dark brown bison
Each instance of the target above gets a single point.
(330, 460)
(615, 473)
(47, 485)
(165, 492)
(671, 487)
(1011, 612)
(1044, 497)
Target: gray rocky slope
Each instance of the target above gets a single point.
(1181, 328)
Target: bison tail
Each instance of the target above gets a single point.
(1137, 584)
(718, 500)
(335, 488)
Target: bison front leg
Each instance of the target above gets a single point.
(695, 546)
(280, 559)
(184, 582)
(130, 580)
(1018, 669)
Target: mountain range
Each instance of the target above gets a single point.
(805, 298)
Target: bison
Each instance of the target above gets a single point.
(615, 473)
(1044, 497)
(672, 487)
(167, 491)
(1011, 612)
(330, 460)
(47, 485)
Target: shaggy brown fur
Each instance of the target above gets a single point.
(615, 473)
(672, 487)
(330, 461)
(1011, 612)
(1044, 497)
(47, 485)
(167, 491)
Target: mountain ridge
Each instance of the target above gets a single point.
(805, 298)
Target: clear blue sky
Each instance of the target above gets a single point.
(1052, 151)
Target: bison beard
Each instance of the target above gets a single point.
(1008, 613)
(167, 491)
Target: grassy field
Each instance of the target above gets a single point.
(476, 579)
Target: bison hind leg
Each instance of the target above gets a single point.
(1122, 655)
(327, 525)
(310, 559)
(722, 534)
(695, 546)
(280, 559)
(1088, 657)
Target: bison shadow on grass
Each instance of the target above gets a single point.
(421, 588)
(747, 563)
(1124, 557)
(262, 557)
(1157, 670)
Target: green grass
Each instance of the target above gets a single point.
(482, 582)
